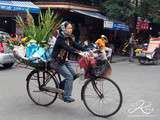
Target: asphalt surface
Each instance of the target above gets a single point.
(140, 85)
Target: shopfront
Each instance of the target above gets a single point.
(87, 20)
(10, 9)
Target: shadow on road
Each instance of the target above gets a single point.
(3, 68)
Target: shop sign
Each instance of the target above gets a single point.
(142, 25)
(108, 24)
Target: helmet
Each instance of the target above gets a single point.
(103, 36)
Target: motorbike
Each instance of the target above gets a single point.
(149, 53)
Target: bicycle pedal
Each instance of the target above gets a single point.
(60, 96)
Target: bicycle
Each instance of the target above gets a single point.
(124, 48)
(96, 93)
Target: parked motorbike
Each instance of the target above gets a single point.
(149, 53)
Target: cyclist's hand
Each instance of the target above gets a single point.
(83, 54)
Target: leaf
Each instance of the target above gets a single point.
(47, 23)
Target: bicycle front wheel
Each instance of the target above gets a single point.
(36, 81)
(102, 97)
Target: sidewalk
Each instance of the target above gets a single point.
(118, 58)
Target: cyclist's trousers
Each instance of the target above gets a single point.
(68, 73)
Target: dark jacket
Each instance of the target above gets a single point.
(64, 46)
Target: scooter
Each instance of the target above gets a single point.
(150, 53)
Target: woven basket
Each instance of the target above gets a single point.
(102, 68)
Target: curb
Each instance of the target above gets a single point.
(119, 59)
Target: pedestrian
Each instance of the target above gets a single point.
(131, 51)
(64, 46)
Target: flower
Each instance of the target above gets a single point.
(12, 41)
(24, 40)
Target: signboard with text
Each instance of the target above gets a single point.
(116, 26)
(142, 25)
(108, 24)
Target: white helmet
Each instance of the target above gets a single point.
(103, 36)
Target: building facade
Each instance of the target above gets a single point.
(83, 14)
(9, 9)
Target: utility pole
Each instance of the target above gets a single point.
(135, 16)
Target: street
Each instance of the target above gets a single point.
(140, 85)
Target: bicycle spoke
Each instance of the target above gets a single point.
(47, 80)
(91, 96)
(95, 102)
(36, 91)
(47, 93)
(37, 94)
(36, 85)
(102, 97)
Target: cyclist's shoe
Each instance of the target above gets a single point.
(69, 99)
(76, 76)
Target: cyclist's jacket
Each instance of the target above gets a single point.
(64, 46)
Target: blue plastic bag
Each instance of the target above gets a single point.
(31, 49)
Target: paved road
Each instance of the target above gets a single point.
(139, 84)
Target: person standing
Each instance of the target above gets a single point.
(131, 51)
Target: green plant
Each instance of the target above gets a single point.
(47, 24)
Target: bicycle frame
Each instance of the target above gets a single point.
(43, 78)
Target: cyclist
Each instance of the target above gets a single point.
(103, 45)
(64, 46)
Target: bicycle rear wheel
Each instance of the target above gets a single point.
(102, 97)
(36, 81)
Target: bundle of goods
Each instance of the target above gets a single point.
(32, 47)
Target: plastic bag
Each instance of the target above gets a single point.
(52, 41)
(31, 49)
(20, 51)
(38, 53)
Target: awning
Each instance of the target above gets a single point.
(107, 24)
(19, 6)
(91, 14)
